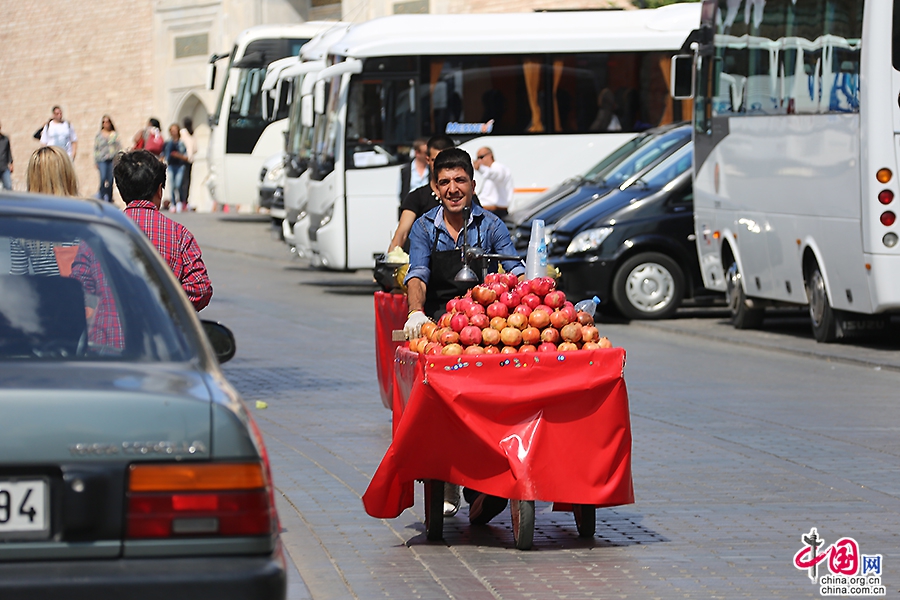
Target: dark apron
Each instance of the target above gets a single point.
(444, 266)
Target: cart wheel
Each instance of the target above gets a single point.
(522, 523)
(585, 519)
(434, 510)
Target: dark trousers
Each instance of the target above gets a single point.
(186, 183)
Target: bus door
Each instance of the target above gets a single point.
(380, 129)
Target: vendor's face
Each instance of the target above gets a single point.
(455, 188)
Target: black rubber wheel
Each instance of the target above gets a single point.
(824, 319)
(522, 512)
(434, 510)
(648, 286)
(585, 519)
(742, 316)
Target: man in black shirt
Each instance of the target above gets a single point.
(420, 200)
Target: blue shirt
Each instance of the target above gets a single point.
(494, 240)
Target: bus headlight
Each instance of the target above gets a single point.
(326, 218)
(275, 173)
(588, 240)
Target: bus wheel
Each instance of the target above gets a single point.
(648, 286)
(824, 318)
(742, 316)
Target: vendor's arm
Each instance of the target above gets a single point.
(407, 218)
(419, 254)
(415, 294)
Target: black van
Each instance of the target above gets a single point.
(634, 248)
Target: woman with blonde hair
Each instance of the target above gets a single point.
(50, 171)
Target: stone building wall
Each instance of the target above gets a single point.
(90, 58)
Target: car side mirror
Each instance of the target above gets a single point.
(221, 339)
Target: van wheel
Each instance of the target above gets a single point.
(742, 316)
(648, 286)
(824, 319)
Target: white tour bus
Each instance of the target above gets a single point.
(242, 135)
(298, 146)
(539, 89)
(796, 135)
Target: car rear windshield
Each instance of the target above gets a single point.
(72, 290)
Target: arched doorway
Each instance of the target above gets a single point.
(193, 107)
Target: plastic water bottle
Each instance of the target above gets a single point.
(589, 306)
(536, 259)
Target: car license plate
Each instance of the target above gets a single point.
(24, 508)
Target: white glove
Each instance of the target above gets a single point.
(413, 327)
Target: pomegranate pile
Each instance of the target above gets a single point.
(505, 315)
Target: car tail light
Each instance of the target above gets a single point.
(885, 196)
(199, 499)
(888, 218)
(883, 175)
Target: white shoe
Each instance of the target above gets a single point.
(451, 499)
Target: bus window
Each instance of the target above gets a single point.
(895, 45)
(380, 121)
(786, 57)
(503, 91)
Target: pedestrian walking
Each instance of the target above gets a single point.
(106, 146)
(176, 157)
(150, 138)
(6, 161)
(60, 133)
(187, 136)
(141, 178)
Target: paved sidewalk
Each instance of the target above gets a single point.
(742, 442)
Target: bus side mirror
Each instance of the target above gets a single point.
(681, 81)
(307, 115)
(319, 98)
(211, 76)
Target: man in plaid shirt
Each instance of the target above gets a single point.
(140, 177)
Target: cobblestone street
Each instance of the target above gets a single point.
(738, 450)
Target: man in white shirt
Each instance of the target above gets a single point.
(60, 133)
(415, 173)
(497, 190)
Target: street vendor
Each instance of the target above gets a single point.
(435, 258)
(436, 243)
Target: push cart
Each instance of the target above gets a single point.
(541, 426)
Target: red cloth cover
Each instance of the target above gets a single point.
(542, 426)
(390, 314)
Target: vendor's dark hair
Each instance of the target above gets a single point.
(138, 174)
(453, 158)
